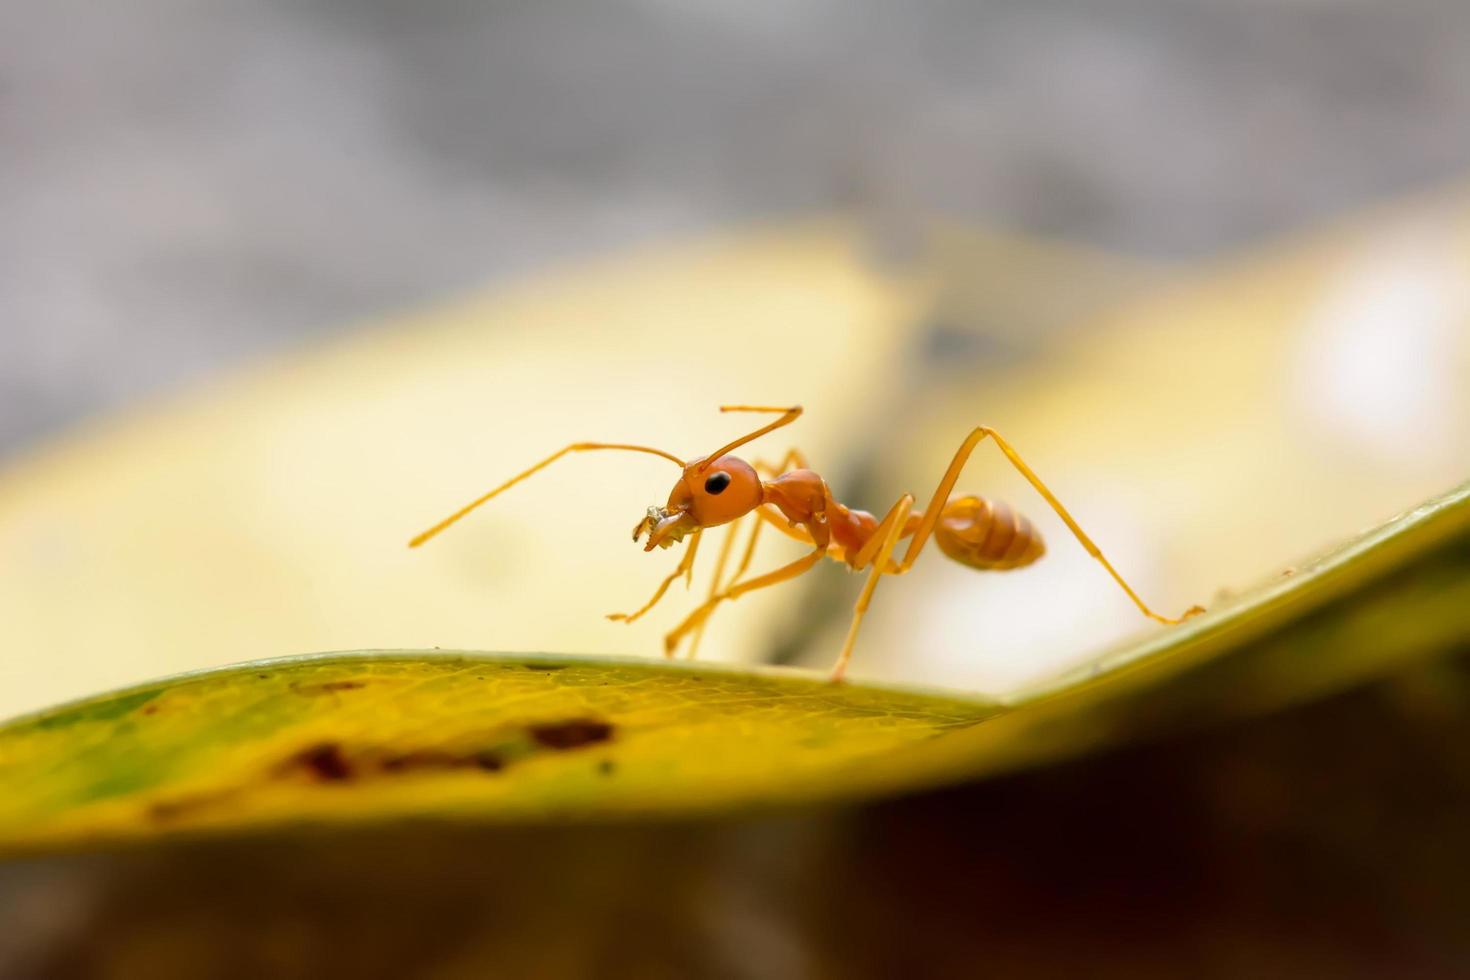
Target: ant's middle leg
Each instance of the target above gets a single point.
(879, 551)
(780, 523)
(783, 574)
(763, 516)
(793, 460)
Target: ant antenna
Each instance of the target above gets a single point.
(789, 415)
(575, 447)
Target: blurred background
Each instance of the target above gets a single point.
(283, 283)
(1131, 236)
(189, 185)
(911, 220)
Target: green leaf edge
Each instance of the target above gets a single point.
(781, 674)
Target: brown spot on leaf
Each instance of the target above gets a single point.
(572, 734)
(329, 762)
(165, 811)
(328, 687)
(325, 761)
(488, 761)
(422, 759)
(440, 759)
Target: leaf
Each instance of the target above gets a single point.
(377, 735)
(371, 737)
(1394, 595)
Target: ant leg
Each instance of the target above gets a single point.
(783, 574)
(877, 540)
(946, 486)
(686, 567)
(755, 534)
(794, 459)
(884, 540)
(781, 524)
(744, 563)
(834, 551)
(714, 585)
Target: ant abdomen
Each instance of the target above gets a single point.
(987, 534)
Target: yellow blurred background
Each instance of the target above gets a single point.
(1208, 428)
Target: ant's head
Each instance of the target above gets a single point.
(708, 494)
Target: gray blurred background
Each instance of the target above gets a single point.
(184, 186)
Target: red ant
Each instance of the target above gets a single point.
(721, 489)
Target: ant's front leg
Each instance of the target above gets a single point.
(792, 459)
(686, 567)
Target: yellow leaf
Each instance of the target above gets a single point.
(370, 736)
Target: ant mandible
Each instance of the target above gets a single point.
(721, 489)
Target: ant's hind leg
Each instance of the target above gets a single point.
(946, 486)
(886, 536)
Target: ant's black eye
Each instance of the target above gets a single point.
(717, 483)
